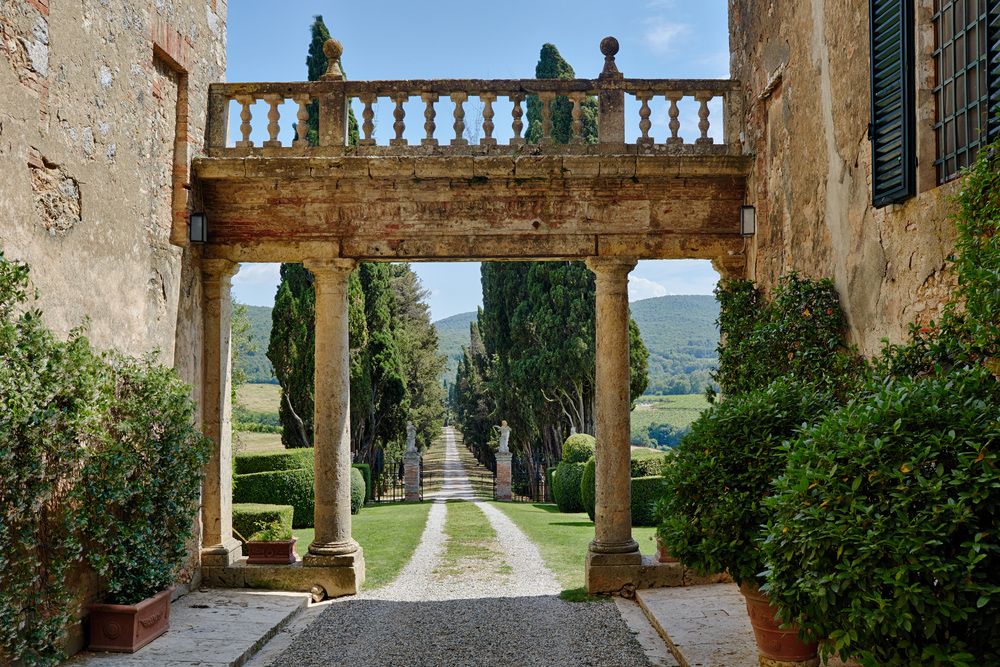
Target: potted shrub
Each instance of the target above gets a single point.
(711, 516)
(271, 545)
(884, 534)
(136, 525)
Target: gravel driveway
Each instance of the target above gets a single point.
(486, 617)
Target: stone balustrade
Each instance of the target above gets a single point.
(448, 132)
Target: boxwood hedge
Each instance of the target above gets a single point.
(358, 490)
(646, 492)
(279, 487)
(289, 459)
(578, 448)
(248, 518)
(566, 486)
(366, 473)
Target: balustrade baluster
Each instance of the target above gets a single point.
(576, 127)
(273, 115)
(459, 100)
(245, 128)
(546, 99)
(487, 100)
(674, 113)
(399, 113)
(429, 115)
(644, 122)
(367, 116)
(302, 127)
(517, 125)
(703, 123)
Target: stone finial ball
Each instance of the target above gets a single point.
(609, 46)
(332, 49)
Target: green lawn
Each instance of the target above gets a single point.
(471, 543)
(388, 533)
(563, 539)
(678, 411)
(259, 397)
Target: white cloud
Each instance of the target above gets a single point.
(642, 288)
(258, 274)
(661, 34)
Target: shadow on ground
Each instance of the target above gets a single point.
(523, 631)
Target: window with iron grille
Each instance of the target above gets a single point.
(967, 65)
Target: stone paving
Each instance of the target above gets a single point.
(488, 617)
(214, 628)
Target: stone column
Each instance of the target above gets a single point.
(333, 544)
(503, 477)
(411, 476)
(613, 544)
(218, 545)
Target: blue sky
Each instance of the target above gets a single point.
(449, 39)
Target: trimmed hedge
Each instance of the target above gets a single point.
(588, 488)
(566, 486)
(248, 518)
(578, 448)
(366, 473)
(279, 487)
(290, 459)
(550, 474)
(358, 490)
(646, 492)
(647, 464)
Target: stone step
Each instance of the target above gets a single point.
(210, 628)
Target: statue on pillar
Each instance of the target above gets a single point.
(504, 437)
(411, 438)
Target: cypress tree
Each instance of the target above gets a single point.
(316, 64)
(551, 65)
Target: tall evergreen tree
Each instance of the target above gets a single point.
(316, 63)
(291, 351)
(551, 65)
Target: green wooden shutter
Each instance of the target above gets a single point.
(893, 120)
(993, 67)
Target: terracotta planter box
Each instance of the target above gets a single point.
(662, 554)
(126, 628)
(773, 642)
(271, 553)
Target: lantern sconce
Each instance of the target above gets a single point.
(748, 221)
(198, 227)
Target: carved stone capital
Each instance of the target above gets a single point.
(615, 269)
(333, 268)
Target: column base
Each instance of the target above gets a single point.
(222, 555)
(623, 574)
(321, 580)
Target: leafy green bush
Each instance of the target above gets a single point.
(885, 528)
(646, 493)
(357, 490)
(566, 486)
(249, 518)
(279, 487)
(366, 473)
(81, 435)
(799, 332)
(136, 523)
(647, 464)
(588, 488)
(711, 513)
(274, 531)
(549, 476)
(578, 448)
(290, 459)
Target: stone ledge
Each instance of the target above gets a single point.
(335, 581)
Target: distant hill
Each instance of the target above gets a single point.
(453, 333)
(681, 336)
(679, 331)
(256, 364)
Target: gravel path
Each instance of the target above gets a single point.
(483, 617)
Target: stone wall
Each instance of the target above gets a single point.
(805, 68)
(103, 105)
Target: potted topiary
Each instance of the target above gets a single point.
(136, 525)
(711, 516)
(271, 545)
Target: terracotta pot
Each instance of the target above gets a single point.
(773, 642)
(271, 553)
(662, 554)
(126, 628)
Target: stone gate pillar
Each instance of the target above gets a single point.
(613, 554)
(218, 545)
(333, 545)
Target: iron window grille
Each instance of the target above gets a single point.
(965, 48)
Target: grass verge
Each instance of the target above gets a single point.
(563, 539)
(471, 541)
(389, 534)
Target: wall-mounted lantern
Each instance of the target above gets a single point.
(748, 221)
(198, 227)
